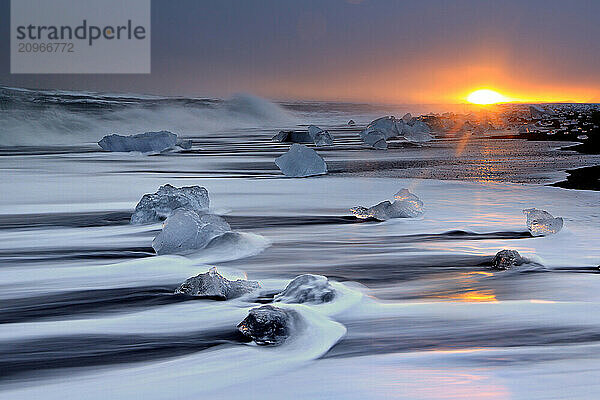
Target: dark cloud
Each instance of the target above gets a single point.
(404, 51)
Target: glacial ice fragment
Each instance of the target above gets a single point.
(374, 139)
(307, 289)
(320, 136)
(269, 325)
(185, 144)
(386, 125)
(185, 231)
(158, 206)
(506, 259)
(214, 285)
(293, 137)
(149, 142)
(542, 223)
(300, 161)
(405, 205)
(408, 118)
(418, 132)
(378, 131)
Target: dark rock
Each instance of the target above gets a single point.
(351, 122)
(307, 289)
(292, 137)
(214, 285)
(269, 325)
(506, 259)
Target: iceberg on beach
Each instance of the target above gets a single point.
(376, 133)
(307, 289)
(300, 161)
(149, 142)
(320, 136)
(214, 285)
(293, 137)
(158, 206)
(185, 144)
(408, 127)
(418, 132)
(385, 127)
(185, 231)
(405, 205)
(374, 139)
(408, 118)
(269, 325)
(542, 223)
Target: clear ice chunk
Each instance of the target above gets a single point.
(149, 142)
(307, 289)
(319, 136)
(157, 206)
(542, 223)
(418, 132)
(300, 161)
(378, 131)
(408, 118)
(185, 231)
(185, 144)
(214, 285)
(374, 139)
(405, 205)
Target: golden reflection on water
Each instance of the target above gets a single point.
(445, 383)
(467, 288)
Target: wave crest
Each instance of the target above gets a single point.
(30, 117)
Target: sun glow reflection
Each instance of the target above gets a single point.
(486, 96)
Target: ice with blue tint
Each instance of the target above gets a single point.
(214, 285)
(418, 132)
(405, 205)
(149, 142)
(157, 206)
(307, 288)
(320, 136)
(300, 161)
(185, 231)
(376, 133)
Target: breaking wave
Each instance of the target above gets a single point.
(51, 117)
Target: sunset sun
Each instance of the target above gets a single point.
(485, 96)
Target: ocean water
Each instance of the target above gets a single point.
(87, 309)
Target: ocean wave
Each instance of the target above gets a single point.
(50, 118)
